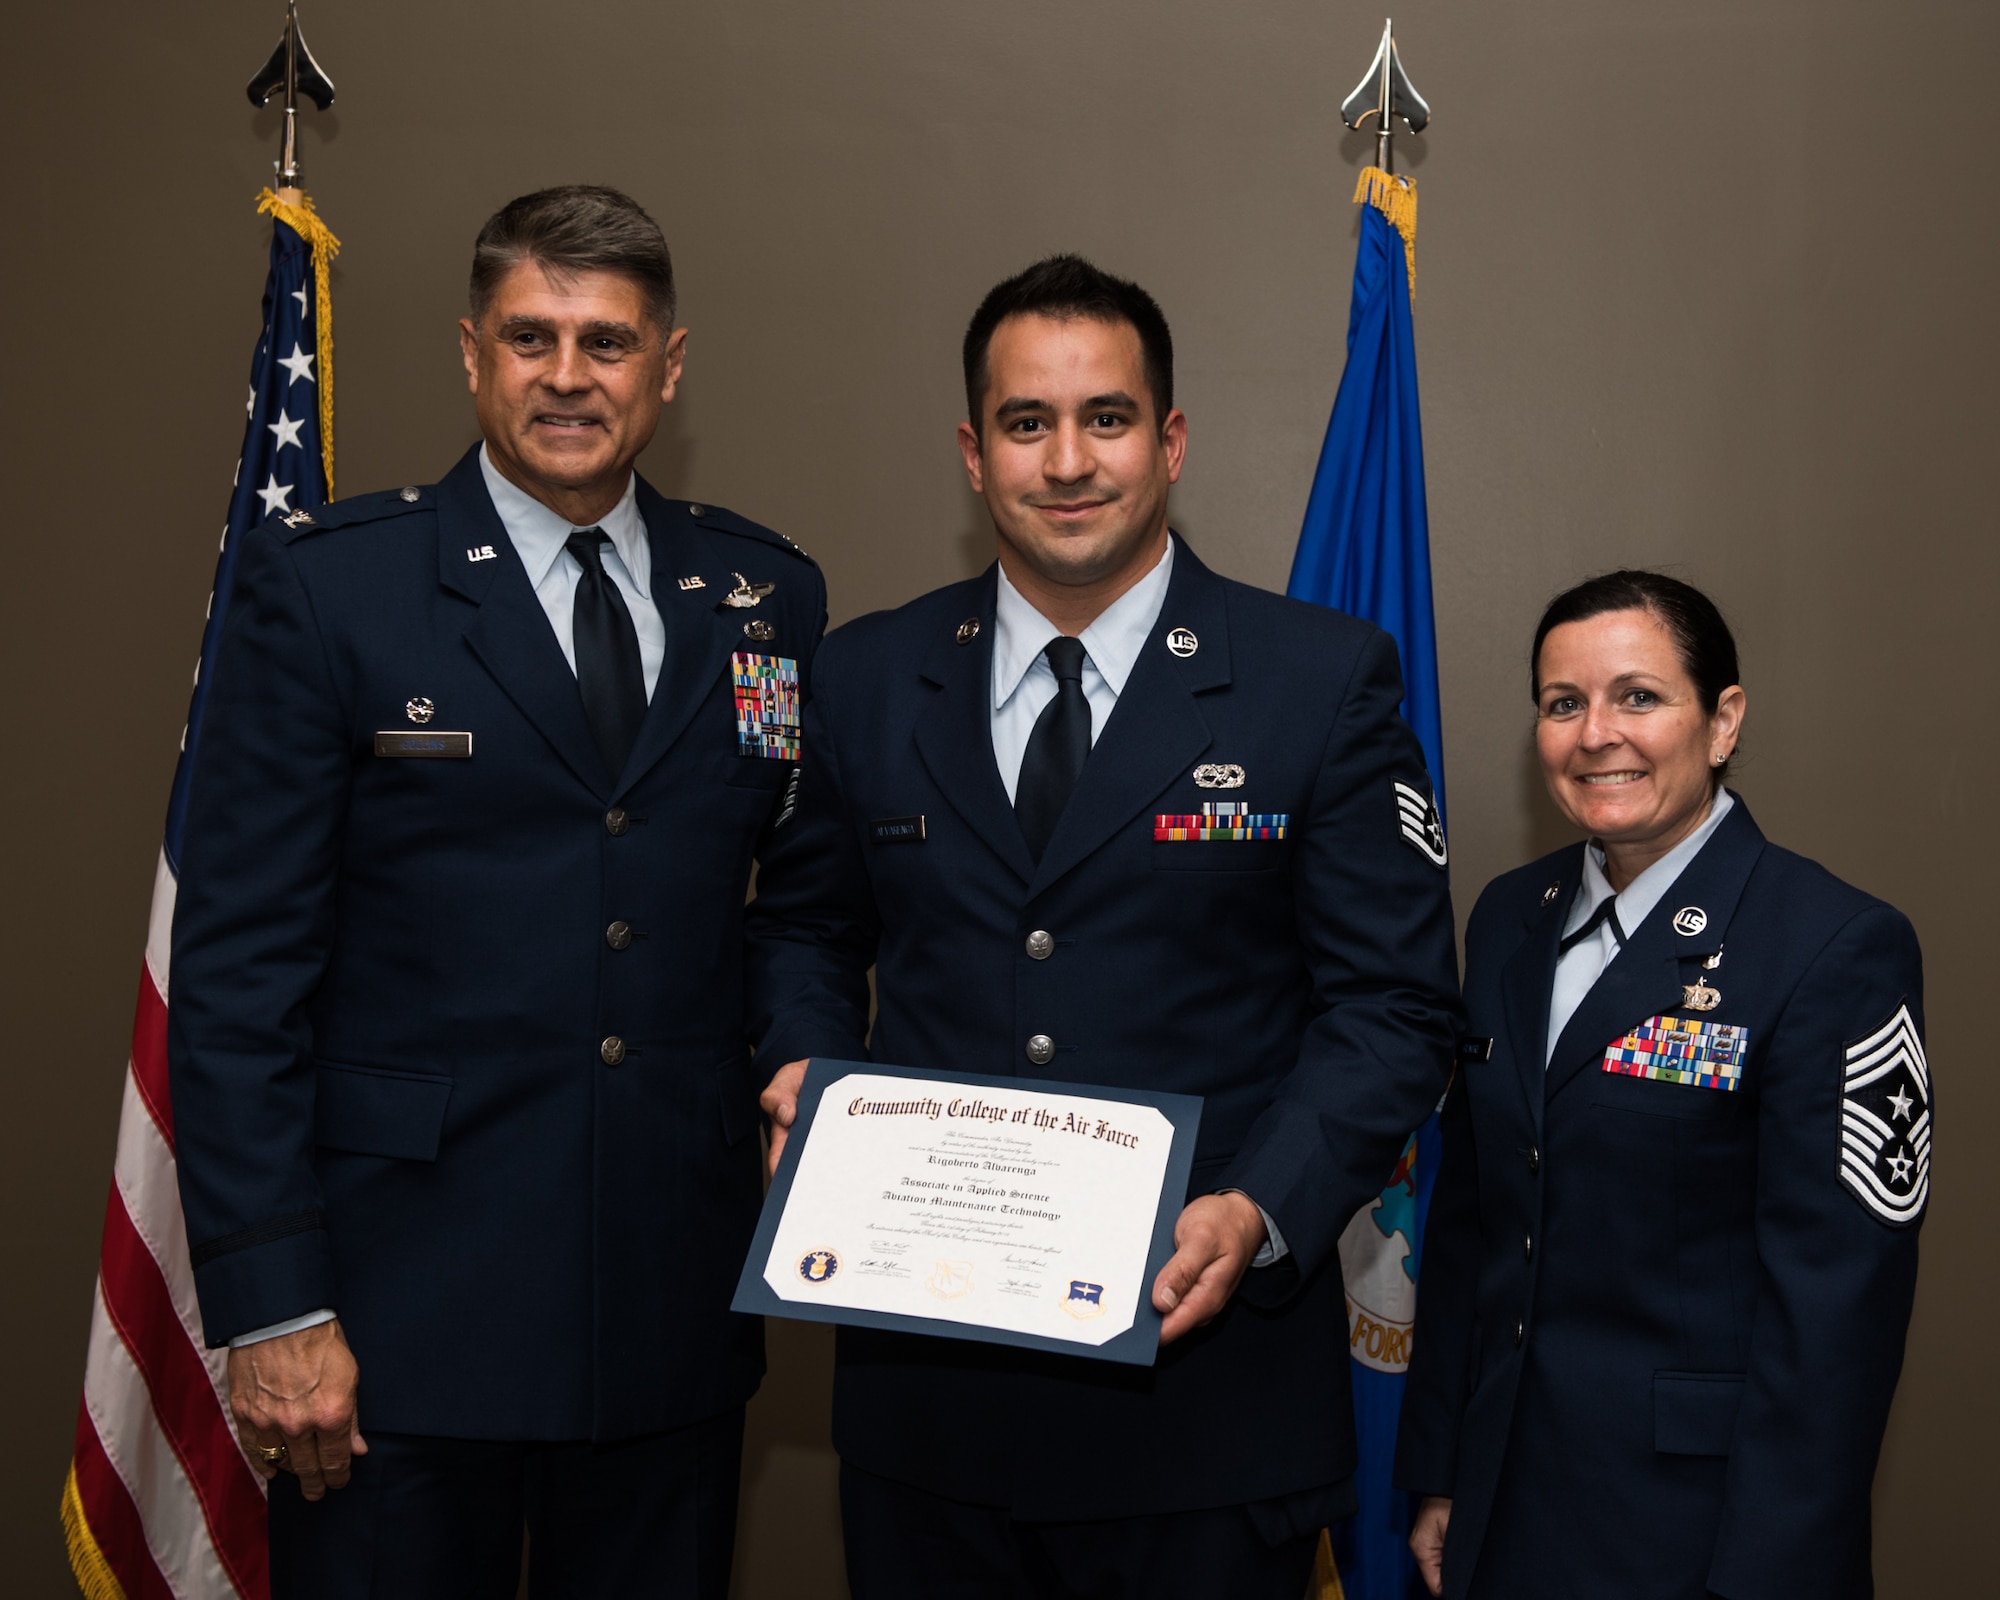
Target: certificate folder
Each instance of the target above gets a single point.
(931, 1110)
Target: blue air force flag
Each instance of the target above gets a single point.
(1365, 548)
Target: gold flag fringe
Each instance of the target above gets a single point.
(93, 1573)
(303, 220)
(1326, 1576)
(1396, 199)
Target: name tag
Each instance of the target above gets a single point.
(767, 705)
(425, 746)
(1703, 1055)
(1222, 819)
(897, 830)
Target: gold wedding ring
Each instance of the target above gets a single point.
(273, 1454)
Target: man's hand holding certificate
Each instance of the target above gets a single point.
(1017, 1212)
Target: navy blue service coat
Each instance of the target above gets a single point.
(1306, 987)
(1661, 1321)
(393, 977)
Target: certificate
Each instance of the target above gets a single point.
(1002, 1209)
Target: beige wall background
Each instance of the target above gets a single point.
(1705, 285)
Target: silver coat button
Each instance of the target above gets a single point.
(1041, 1049)
(618, 935)
(1520, 1333)
(1041, 945)
(409, 496)
(612, 1050)
(697, 511)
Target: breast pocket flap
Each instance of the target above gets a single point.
(372, 1111)
(1694, 1413)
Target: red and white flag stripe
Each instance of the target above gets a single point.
(160, 1500)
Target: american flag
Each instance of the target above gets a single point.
(160, 1500)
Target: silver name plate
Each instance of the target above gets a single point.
(425, 745)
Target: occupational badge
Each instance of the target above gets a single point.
(767, 705)
(419, 709)
(1218, 775)
(1885, 1121)
(1684, 1050)
(1422, 827)
(759, 630)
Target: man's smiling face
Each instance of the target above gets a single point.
(568, 374)
(1069, 456)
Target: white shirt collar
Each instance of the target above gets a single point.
(1647, 890)
(538, 534)
(1112, 642)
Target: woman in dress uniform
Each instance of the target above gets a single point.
(1673, 1244)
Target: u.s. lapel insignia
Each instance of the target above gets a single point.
(1885, 1121)
(968, 630)
(746, 593)
(483, 552)
(1182, 642)
(693, 583)
(1218, 775)
(1422, 827)
(1689, 921)
(1549, 894)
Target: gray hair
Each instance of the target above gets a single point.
(576, 227)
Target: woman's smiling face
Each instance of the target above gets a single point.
(1625, 743)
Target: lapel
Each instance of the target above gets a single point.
(511, 635)
(1528, 978)
(1156, 730)
(700, 635)
(954, 733)
(1647, 978)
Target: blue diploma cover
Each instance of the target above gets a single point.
(1009, 1210)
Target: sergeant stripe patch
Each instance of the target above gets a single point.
(1885, 1121)
(1420, 822)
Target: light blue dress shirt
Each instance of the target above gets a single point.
(1024, 684)
(1578, 970)
(538, 536)
(1023, 681)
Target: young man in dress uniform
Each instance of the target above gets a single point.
(1160, 847)
(465, 1116)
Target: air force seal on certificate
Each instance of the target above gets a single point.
(1885, 1121)
(1084, 1301)
(818, 1266)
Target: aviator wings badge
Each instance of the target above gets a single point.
(746, 593)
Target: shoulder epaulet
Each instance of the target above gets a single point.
(719, 519)
(352, 512)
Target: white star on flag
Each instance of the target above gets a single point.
(300, 296)
(286, 430)
(275, 495)
(1902, 1103)
(298, 364)
(250, 405)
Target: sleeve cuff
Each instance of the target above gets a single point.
(1273, 1249)
(277, 1330)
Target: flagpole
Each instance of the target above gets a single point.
(1385, 93)
(292, 70)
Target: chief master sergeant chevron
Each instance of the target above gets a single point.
(465, 1116)
(1175, 835)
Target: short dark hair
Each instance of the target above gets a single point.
(1702, 640)
(576, 227)
(1064, 287)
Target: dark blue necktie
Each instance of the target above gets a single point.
(608, 670)
(1607, 911)
(1057, 749)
